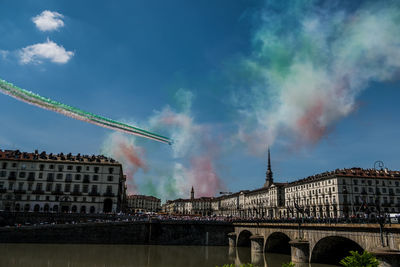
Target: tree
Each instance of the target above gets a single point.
(289, 264)
(356, 260)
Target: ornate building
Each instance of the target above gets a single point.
(43, 182)
(345, 192)
(264, 202)
(140, 203)
(192, 206)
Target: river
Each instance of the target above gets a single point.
(62, 255)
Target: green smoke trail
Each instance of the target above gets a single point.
(46, 103)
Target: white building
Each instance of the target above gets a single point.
(60, 183)
(140, 203)
(343, 193)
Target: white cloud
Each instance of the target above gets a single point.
(3, 54)
(48, 50)
(48, 21)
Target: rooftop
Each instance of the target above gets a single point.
(143, 197)
(352, 172)
(43, 156)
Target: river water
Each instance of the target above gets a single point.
(61, 255)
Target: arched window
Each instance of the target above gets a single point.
(46, 208)
(92, 209)
(27, 207)
(55, 208)
(17, 207)
(74, 208)
(36, 208)
(83, 209)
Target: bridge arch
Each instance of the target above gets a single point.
(332, 249)
(243, 239)
(277, 242)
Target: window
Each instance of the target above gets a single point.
(96, 169)
(69, 167)
(94, 189)
(355, 182)
(58, 187)
(110, 170)
(77, 176)
(109, 178)
(14, 165)
(23, 166)
(67, 188)
(68, 176)
(30, 186)
(76, 188)
(3, 174)
(396, 183)
(51, 166)
(370, 190)
(95, 177)
(22, 174)
(59, 175)
(384, 190)
(38, 186)
(41, 167)
(78, 168)
(60, 168)
(355, 189)
(50, 176)
(85, 188)
(4, 166)
(49, 186)
(20, 185)
(40, 174)
(109, 189)
(87, 168)
(31, 175)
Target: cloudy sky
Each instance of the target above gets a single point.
(316, 81)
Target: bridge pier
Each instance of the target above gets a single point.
(387, 257)
(257, 244)
(232, 239)
(300, 251)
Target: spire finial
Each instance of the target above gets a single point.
(268, 179)
(192, 193)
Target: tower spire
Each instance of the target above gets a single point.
(269, 174)
(192, 194)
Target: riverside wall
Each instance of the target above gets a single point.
(149, 232)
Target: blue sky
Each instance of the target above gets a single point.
(131, 61)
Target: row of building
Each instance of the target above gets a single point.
(42, 182)
(335, 194)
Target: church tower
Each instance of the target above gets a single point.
(268, 175)
(192, 194)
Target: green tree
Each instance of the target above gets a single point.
(356, 260)
(289, 264)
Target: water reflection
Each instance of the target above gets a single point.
(57, 255)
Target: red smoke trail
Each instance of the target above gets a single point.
(131, 158)
(310, 125)
(204, 177)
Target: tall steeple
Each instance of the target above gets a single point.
(268, 175)
(192, 194)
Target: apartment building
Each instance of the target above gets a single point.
(41, 182)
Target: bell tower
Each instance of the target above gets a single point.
(192, 194)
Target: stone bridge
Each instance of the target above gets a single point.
(317, 243)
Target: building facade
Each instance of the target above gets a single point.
(40, 182)
(140, 203)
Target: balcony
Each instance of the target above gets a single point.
(76, 193)
(108, 194)
(57, 192)
(38, 192)
(93, 194)
(19, 191)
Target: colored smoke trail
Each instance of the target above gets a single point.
(310, 62)
(45, 103)
(123, 149)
